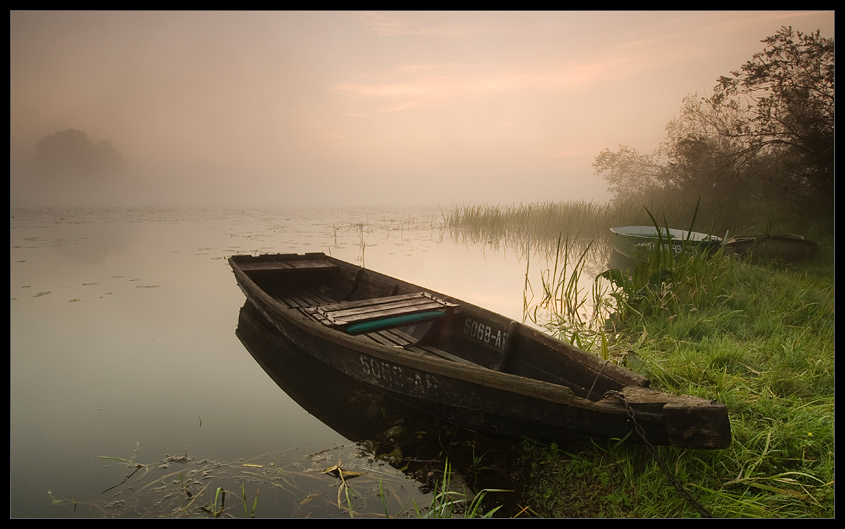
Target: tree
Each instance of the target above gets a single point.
(766, 131)
(70, 154)
(699, 158)
(629, 173)
(782, 105)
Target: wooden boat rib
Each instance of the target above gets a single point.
(461, 362)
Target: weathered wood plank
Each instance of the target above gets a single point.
(387, 299)
(697, 422)
(400, 339)
(341, 314)
(386, 337)
(397, 307)
(312, 298)
(377, 313)
(277, 266)
(370, 301)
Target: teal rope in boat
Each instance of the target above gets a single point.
(396, 321)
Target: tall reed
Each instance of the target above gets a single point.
(563, 307)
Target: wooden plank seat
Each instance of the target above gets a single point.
(294, 266)
(367, 315)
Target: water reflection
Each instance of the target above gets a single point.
(528, 244)
(96, 242)
(542, 252)
(354, 410)
(385, 429)
(561, 290)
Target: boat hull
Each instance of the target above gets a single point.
(787, 248)
(510, 380)
(638, 242)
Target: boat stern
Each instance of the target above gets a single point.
(677, 420)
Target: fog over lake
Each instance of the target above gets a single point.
(353, 108)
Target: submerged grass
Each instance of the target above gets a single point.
(758, 337)
(218, 489)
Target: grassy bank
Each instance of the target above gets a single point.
(761, 340)
(758, 337)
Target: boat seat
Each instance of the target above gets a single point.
(367, 315)
(272, 266)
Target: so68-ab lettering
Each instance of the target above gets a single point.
(485, 333)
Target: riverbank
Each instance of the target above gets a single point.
(764, 344)
(756, 336)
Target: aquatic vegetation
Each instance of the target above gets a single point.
(561, 306)
(449, 503)
(182, 486)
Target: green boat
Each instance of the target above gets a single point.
(637, 242)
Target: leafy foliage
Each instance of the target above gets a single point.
(782, 101)
(766, 133)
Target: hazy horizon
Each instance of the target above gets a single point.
(283, 108)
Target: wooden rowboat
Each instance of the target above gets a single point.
(638, 241)
(462, 363)
(787, 248)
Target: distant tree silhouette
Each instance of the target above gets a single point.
(766, 133)
(70, 154)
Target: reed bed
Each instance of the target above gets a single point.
(544, 223)
(541, 222)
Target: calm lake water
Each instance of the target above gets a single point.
(123, 352)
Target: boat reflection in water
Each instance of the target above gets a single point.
(355, 411)
(384, 428)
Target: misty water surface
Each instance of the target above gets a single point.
(123, 335)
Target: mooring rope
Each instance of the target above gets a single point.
(653, 451)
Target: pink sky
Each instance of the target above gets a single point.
(349, 108)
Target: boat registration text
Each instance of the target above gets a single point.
(485, 333)
(392, 376)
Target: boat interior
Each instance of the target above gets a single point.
(394, 313)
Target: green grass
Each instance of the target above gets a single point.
(446, 502)
(758, 337)
(761, 339)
